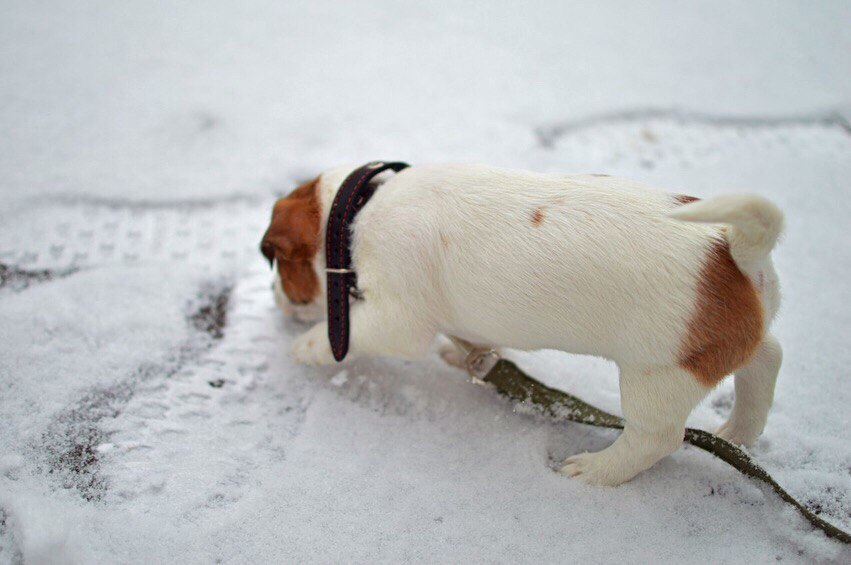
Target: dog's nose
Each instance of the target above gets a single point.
(268, 251)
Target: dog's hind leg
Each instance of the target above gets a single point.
(754, 385)
(655, 403)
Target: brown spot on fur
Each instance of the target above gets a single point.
(685, 199)
(727, 324)
(599, 175)
(293, 240)
(538, 216)
(444, 240)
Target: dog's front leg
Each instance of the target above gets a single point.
(375, 328)
(312, 347)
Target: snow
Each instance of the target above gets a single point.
(150, 411)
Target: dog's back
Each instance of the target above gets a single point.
(586, 264)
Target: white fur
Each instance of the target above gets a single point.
(755, 222)
(583, 264)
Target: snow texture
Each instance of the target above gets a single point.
(150, 411)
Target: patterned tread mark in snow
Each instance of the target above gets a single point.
(70, 444)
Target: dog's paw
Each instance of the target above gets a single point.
(310, 349)
(595, 469)
(738, 434)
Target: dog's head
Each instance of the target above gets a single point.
(293, 246)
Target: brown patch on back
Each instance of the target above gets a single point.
(538, 216)
(293, 241)
(684, 199)
(444, 240)
(727, 324)
(599, 175)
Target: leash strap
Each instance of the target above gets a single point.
(353, 194)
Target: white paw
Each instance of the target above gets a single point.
(596, 469)
(450, 353)
(309, 349)
(738, 434)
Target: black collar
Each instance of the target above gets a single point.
(353, 194)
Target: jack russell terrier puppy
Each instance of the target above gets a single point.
(678, 292)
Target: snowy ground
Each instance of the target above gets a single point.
(150, 412)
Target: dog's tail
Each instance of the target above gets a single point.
(755, 223)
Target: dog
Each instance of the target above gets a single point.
(679, 292)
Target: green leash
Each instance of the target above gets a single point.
(510, 381)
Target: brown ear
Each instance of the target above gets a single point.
(293, 234)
